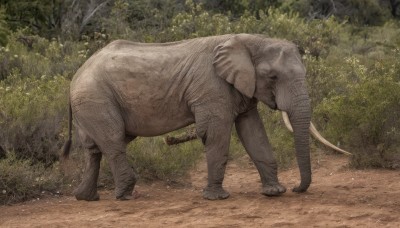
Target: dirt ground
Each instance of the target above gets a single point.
(338, 197)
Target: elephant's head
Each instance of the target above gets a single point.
(272, 72)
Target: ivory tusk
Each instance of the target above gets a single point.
(287, 121)
(318, 136)
(314, 132)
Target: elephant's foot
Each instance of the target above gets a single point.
(273, 190)
(300, 189)
(84, 194)
(126, 193)
(127, 196)
(215, 193)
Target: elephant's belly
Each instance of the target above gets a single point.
(156, 123)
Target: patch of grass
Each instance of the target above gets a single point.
(153, 159)
(31, 116)
(22, 180)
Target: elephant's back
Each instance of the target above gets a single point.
(189, 46)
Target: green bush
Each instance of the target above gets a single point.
(359, 12)
(314, 37)
(34, 56)
(32, 113)
(23, 180)
(153, 159)
(364, 114)
(116, 25)
(197, 23)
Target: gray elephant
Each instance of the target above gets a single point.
(132, 89)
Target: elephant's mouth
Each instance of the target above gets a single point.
(271, 103)
(314, 132)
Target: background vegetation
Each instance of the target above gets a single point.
(351, 50)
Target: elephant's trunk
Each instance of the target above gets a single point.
(300, 117)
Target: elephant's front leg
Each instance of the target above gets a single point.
(252, 134)
(215, 134)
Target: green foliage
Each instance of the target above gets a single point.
(239, 7)
(355, 94)
(140, 20)
(361, 12)
(153, 15)
(116, 25)
(314, 37)
(42, 16)
(369, 12)
(364, 114)
(153, 159)
(34, 56)
(198, 23)
(22, 180)
(31, 113)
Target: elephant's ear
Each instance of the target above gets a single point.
(232, 62)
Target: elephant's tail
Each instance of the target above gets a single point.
(67, 145)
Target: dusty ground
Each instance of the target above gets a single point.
(338, 197)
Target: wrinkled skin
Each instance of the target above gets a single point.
(133, 89)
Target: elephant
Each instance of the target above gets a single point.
(130, 89)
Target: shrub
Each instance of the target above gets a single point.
(23, 180)
(32, 113)
(313, 37)
(116, 25)
(197, 23)
(361, 12)
(153, 159)
(34, 56)
(364, 115)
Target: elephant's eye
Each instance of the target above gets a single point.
(274, 77)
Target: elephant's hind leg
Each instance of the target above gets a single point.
(112, 142)
(104, 124)
(124, 176)
(87, 189)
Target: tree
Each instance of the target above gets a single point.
(79, 17)
(41, 16)
(52, 18)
